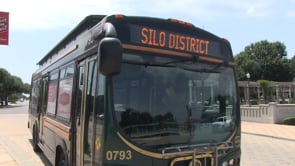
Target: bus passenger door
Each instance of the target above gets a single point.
(85, 112)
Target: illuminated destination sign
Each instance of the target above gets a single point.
(169, 40)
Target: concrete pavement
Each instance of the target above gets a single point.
(5, 158)
(274, 143)
(15, 138)
(267, 144)
(15, 142)
(284, 132)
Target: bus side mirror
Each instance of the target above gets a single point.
(110, 50)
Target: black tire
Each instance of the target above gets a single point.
(62, 160)
(36, 148)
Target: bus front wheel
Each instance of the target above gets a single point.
(61, 159)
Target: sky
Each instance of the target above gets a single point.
(36, 26)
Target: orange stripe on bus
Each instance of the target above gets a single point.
(59, 128)
(156, 50)
(209, 59)
(231, 63)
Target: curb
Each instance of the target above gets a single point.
(269, 136)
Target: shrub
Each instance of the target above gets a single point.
(292, 101)
(289, 121)
(13, 98)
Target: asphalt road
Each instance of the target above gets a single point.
(18, 108)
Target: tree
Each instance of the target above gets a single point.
(26, 88)
(265, 61)
(10, 85)
(246, 65)
(265, 85)
(292, 67)
(4, 76)
(15, 85)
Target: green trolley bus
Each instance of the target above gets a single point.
(127, 91)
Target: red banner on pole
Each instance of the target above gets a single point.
(4, 28)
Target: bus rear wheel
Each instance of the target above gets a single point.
(36, 148)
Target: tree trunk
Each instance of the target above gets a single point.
(6, 101)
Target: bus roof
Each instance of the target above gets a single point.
(86, 23)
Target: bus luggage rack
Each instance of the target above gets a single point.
(200, 153)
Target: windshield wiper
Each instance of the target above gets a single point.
(203, 70)
(180, 61)
(214, 69)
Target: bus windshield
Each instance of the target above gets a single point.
(161, 101)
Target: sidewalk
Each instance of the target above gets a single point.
(276, 131)
(5, 158)
(284, 132)
(15, 141)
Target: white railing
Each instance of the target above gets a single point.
(267, 113)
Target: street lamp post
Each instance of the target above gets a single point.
(248, 92)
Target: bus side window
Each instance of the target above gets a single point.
(44, 95)
(65, 93)
(35, 97)
(52, 94)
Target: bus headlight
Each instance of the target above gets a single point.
(225, 163)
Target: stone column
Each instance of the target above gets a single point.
(245, 94)
(273, 113)
(290, 94)
(258, 94)
(277, 93)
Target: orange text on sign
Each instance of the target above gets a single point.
(159, 38)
